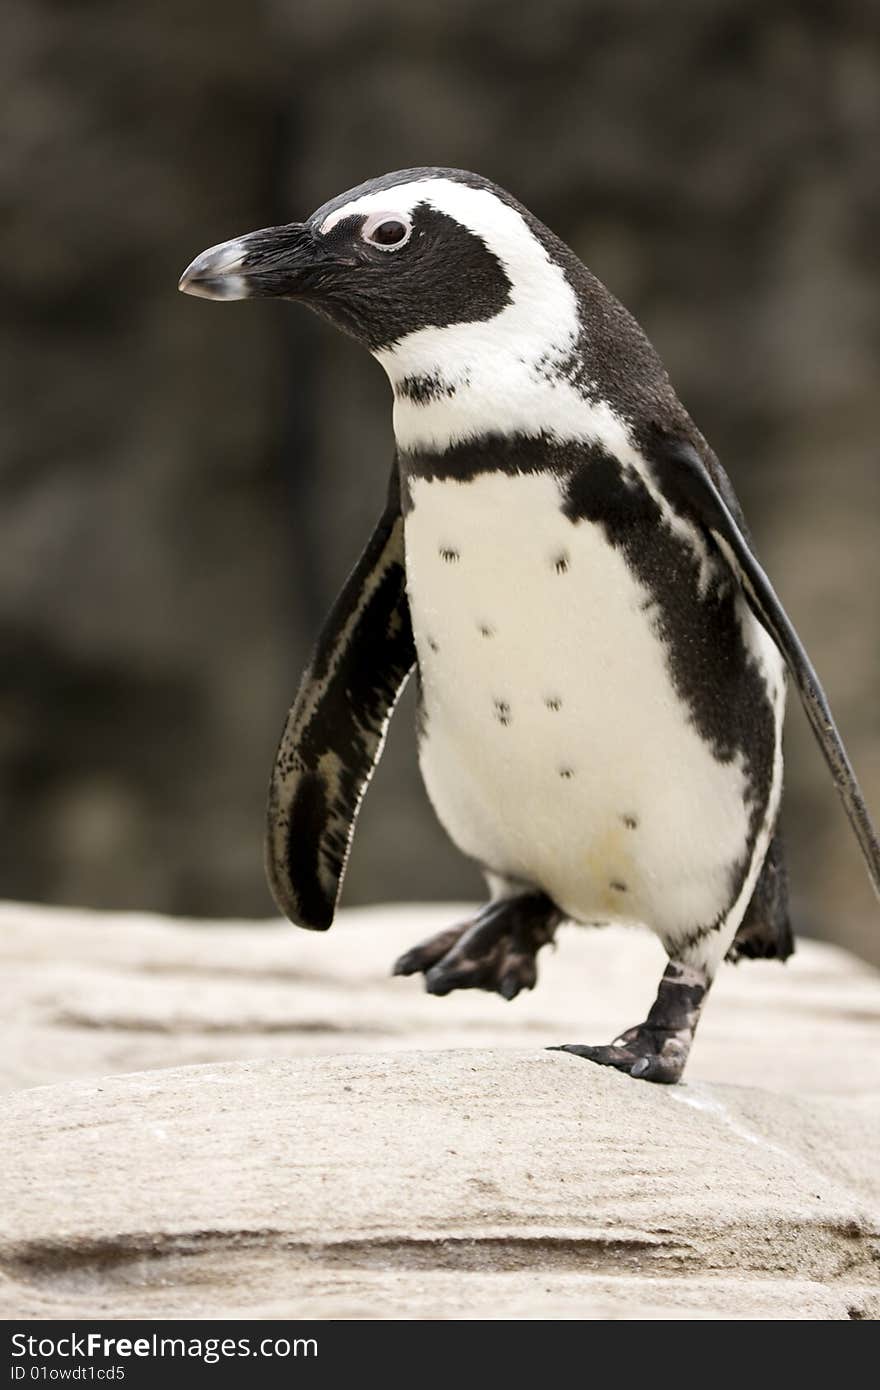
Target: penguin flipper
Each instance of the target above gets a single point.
(335, 730)
(687, 482)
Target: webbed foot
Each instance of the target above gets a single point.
(657, 1049)
(496, 952)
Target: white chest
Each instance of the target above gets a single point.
(556, 749)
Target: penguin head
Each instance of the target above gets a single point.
(393, 260)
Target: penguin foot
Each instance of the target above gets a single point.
(496, 952)
(657, 1049)
(642, 1052)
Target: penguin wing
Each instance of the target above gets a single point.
(686, 480)
(335, 730)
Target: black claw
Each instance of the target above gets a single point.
(576, 1049)
(463, 974)
(437, 983)
(664, 1070)
(443, 979)
(509, 987)
(406, 964)
(520, 967)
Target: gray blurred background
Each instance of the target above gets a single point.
(184, 485)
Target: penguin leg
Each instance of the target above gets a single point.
(657, 1049)
(497, 951)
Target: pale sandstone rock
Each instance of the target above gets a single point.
(439, 1163)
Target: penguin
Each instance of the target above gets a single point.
(601, 661)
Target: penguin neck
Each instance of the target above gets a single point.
(456, 385)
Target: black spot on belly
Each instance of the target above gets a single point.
(486, 629)
(560, 563)
(566, 773)
(631, 822)
(449, 554)
(616, 886)
(502, 712)
(433, 645)
(553, 702)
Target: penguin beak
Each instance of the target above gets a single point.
(274, 261)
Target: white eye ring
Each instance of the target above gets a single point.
(380, 219)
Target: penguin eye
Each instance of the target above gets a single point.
(387, 230)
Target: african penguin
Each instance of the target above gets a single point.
(601, 661)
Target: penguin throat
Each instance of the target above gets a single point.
(447, 397)
(505, 373)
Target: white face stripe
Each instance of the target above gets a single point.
(399, 200)
(478, 209)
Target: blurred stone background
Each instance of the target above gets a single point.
(184, 485)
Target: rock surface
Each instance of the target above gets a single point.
(439, 1163)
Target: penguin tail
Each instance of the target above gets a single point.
(765, 932)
